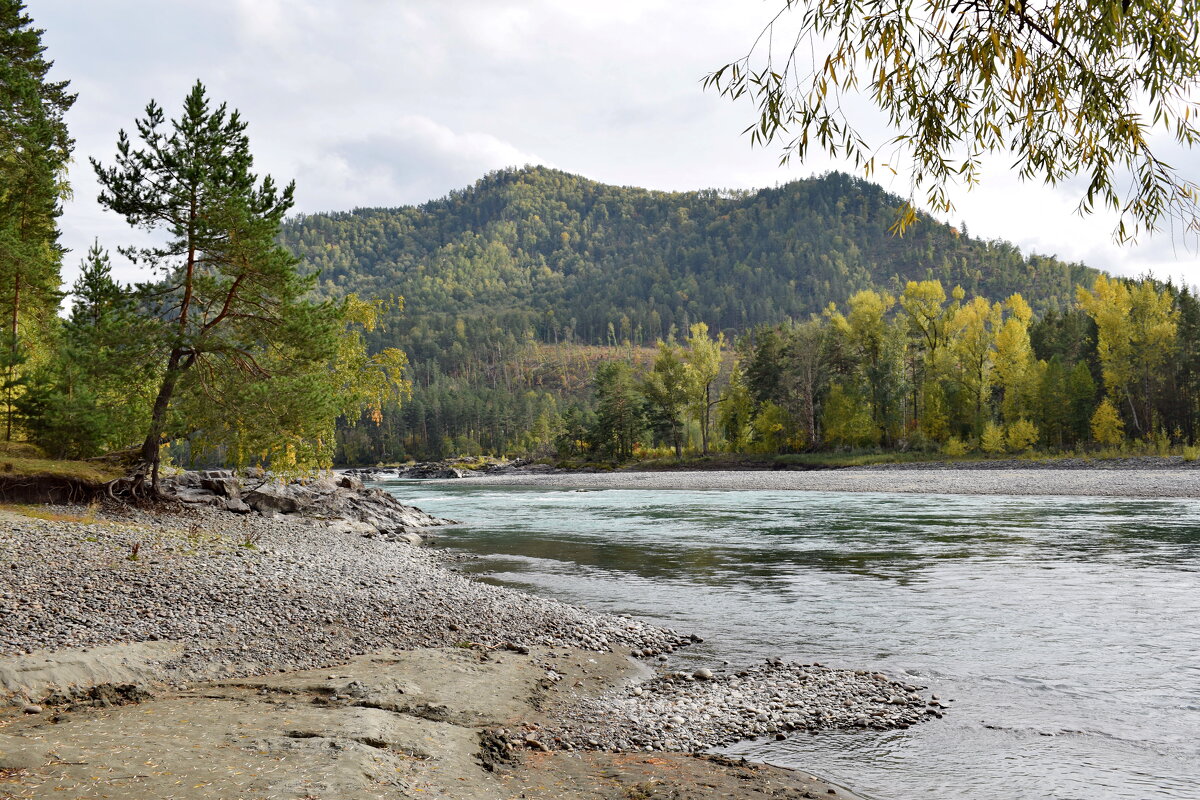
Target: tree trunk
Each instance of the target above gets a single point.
(12, 369)
(176, 366)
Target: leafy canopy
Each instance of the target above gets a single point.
(1066, 88)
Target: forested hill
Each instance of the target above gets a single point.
(542, 253)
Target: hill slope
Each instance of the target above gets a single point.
(536, 253)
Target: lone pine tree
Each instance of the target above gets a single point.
(227, 303)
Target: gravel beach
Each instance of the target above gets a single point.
(250, 593)
(132, 638)
(1123, 481)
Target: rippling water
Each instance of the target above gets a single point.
(1067, 630)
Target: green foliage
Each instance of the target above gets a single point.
(1062, 89)
(540, 254)
(665, 389)
(1081, 399)
(95, 395)
(34, 151)
(847, 419)
(619, 421)
(737, 413)
(770, 429)
(245, 364)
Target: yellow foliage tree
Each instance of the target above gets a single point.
(1137, 330)
(1014, 359)
(973, 346)
(1107, 428)
(992, 441)
(1022, 435)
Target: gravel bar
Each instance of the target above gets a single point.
(1132, 482)
(249, 594)
(694, 711)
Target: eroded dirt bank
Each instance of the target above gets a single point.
(452, 723)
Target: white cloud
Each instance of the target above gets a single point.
(386, 102)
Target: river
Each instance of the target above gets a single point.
(1065, 630)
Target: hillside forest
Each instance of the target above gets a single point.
(545, 314)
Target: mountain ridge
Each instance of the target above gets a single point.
(539, 253)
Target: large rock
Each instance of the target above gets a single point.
(274, 499)
(341, 501)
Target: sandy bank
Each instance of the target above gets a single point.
(421, 723)
(1132, 483)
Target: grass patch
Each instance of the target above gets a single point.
(21, 450)
(49, 513)
(12, 466)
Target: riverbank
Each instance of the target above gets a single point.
(452, 723)
(131, 642)
(1127, 481)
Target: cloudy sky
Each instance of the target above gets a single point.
(395, 102)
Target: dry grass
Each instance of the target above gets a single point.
(13, 466)
(21, 450)
(51, 514)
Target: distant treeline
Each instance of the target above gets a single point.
(924, 369)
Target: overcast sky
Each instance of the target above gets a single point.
(395, 102)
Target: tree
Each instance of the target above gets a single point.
(1107, 428)
(619, 420)
(805, 373)
(95, 394)
(974, 327)
(1063, 89)
(242, 355)
(737, 412)
(666, 391)
(876, 348)
(34, 150)
(703, 359)
(1016, 376)
(1137, 328)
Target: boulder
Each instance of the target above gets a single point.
(350, 482)
(274, 499)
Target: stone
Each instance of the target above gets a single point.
(31, 708)
(350, 482)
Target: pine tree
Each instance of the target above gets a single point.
(34, 150)
(243, 358)
(619, 420)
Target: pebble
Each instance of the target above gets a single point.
(304, 596)
(676, 712)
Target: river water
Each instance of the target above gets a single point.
(1066, 630)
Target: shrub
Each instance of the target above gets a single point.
(1107, 428)
(1021, 436)
(992, 440)
(956, 447)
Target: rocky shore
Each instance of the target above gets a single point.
(692, 711)
(132, 638)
